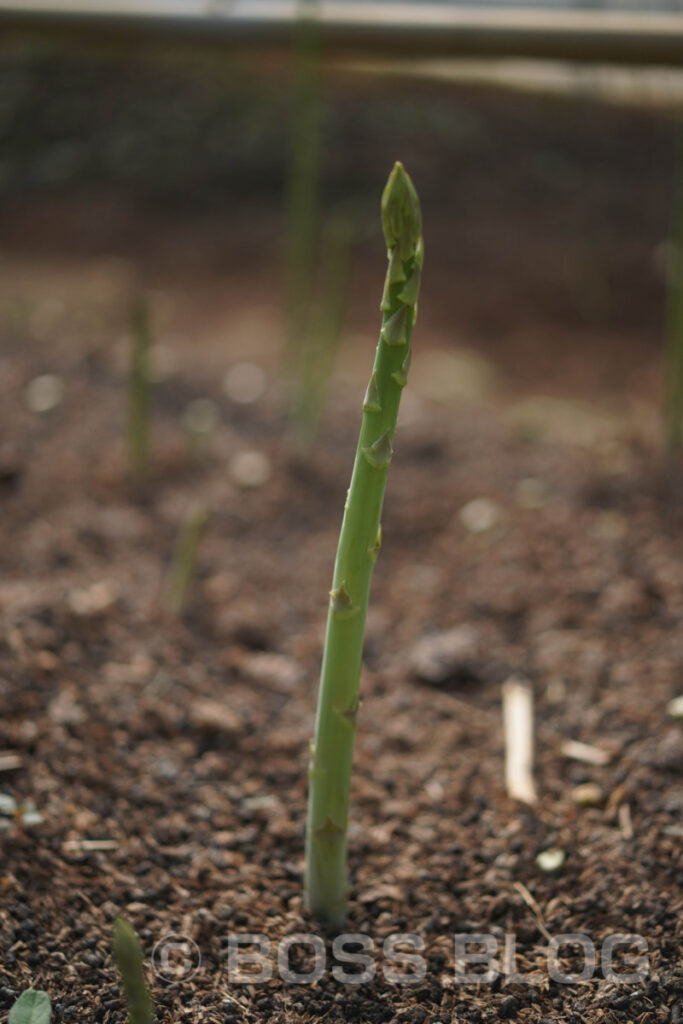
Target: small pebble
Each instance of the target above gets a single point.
(8, 804)
(551, 860)
(439, 657)
(480, 515)
(675, 707)
(214, 716)
(30, 815)
(93, 600)
(260, 802)
(250, 469)
(244, 383)
(509, 1007)
(45, 661)
(276, 671)
(64, 708)
(44, 393)
(589, 794)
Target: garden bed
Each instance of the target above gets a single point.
(167, 755)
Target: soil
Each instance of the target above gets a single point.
(167, 754)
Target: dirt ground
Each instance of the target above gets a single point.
(167, 755)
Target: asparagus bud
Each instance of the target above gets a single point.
(359, 541)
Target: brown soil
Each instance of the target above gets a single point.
(181, 744)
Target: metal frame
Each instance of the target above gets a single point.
(397, 30)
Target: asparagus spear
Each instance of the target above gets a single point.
(139, 393)
(674, 365)
(181, 571)
(359, 543)
(129, 960)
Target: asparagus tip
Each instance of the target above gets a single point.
(401, 216)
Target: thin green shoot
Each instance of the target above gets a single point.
(139, 392)
(320, 345)
(359, 542)
(129, 960)
(183, 564)
(674, 331)
(303, 180)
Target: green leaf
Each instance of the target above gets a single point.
(32, 1007)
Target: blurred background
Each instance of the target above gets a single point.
(228, 164)
(191, 266)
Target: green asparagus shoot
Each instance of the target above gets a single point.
(319, 346)
(182, 568)
(129, 960)
(303, 180)
(674, 367)
(359, 542)
(139, 393)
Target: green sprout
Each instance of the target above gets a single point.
(674, 368)
(318, 258)
(320, 344)
(139, 392)
(359, 543)
(129, 960)
(32, 1007)
(303, 179)
(182, 568)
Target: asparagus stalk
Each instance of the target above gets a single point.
(129, 960)
(181, 571)
(139, 393)
(319, 347)
(303, 186)
(674, 358)
(359, 543)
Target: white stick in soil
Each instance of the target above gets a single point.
(518, 726)
(585, 752)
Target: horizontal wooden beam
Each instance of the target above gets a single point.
(360, 29)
